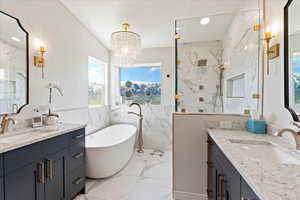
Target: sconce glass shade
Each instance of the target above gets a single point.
(125, 46)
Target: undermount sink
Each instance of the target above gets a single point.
(252, 142)
(12, 138)
(264, 150)
(23, 135)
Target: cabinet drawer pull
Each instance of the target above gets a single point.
(222, 187)
(210, 193)
(41, 172)
(221, 181)
(49, 167)
(78, 155)
(210, 142)
(210, 164)
(77, 137)
(78, 181)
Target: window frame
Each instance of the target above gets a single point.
(141, 65)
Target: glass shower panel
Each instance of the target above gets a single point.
(216, 54)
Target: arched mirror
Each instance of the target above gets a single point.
(14, 64)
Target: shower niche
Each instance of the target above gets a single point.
(218, 63)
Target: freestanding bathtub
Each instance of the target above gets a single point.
(109, 150)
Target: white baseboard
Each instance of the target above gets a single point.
(179, 195)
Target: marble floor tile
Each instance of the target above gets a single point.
(147, 176)
(134, 167)
(90, 183)
(151, 189)
(114, 188)
(85, 197)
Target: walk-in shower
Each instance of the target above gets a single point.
(217, 63)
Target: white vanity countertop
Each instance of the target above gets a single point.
(14, 140)
(272, 171)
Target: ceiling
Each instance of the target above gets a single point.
(154, 20)
(192, 31)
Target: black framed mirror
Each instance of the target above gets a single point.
(14, 65)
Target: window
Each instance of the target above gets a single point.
(296, 77)
(236, 87)
(141, 84)
(97, 82)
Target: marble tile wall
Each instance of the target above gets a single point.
(191, 78)
(242, 52)
(157, 124)
(98, 118)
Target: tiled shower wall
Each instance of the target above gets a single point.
(241, 55)
(242, 51)
(197, 82)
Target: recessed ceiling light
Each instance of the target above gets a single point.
(205, 20)
(178, 28)
(15, 39)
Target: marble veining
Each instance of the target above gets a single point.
(157, 124)
(273, 171)
(14, 140)
(147, 176)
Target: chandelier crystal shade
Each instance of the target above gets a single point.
(125, 46)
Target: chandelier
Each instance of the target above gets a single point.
(125, 46)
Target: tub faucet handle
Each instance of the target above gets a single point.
(295, 124)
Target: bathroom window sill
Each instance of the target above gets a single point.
(97, 106)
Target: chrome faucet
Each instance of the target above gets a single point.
(296, 134)
(140, 136)
(5, 123)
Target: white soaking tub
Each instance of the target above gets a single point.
(109, 150)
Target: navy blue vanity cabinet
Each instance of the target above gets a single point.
(1, 178)
(224, 181)
(41, 171)
(27, 170)
(211, 171)
(56, 174)
(25, 183)
(246, 192)
(1, 189)
(228, 178)
(77, 162)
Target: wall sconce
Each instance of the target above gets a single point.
(39, 60)
(273, 51)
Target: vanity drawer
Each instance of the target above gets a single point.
(77, 181)
(77, 136)
(77, 155)
(28, 154)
